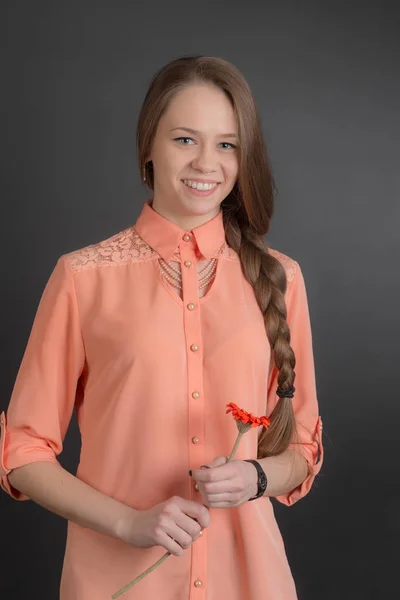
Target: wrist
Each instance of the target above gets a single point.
(262, 480)
(252, 479)
(124, 521)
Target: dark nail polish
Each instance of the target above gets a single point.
(190, 472)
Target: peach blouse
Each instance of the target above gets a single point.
(150, 375)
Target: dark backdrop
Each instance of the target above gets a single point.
(326, 78)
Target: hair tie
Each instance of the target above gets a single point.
(286, 393)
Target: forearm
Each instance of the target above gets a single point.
(284, 472)
(60, 492)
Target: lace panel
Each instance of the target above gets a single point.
(122, 247)
(288, 263)
(228, 252)
(126, 246)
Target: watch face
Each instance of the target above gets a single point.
(263, 481)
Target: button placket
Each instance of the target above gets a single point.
(196, 425)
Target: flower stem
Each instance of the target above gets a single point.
(242, 428)
(149, 570)
(235, 447)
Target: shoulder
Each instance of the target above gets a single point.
(120, 248)
(289, 264)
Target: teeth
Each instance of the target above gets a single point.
(200, 186)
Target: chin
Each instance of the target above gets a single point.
(200, 206)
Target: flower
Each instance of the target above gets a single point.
(244, 422)
(245, 417)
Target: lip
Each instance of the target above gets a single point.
(200, 193)
(199, 180)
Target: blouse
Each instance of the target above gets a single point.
(150, 374)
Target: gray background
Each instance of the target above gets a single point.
(326, 79)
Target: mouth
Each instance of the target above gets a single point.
(200, 192)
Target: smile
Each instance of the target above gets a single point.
(200, 186)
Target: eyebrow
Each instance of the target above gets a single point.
(223, 135)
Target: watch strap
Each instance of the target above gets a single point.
(262, 481)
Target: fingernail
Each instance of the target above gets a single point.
(190, 472)
(204, 467)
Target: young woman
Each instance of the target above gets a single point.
(149, 334)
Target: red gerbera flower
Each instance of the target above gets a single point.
(244, 422)
(245, 417)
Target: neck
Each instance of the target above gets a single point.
(186, 222)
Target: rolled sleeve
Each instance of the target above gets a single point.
(305, 404)
(44, 392)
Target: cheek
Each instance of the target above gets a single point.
(177, 167)
(168, 165)
(231, 168)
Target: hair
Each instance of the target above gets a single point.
(247, 211)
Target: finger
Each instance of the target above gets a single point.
(225, 471)
(180, 536)
(222, 505)
(218, 462)
(169, 543)
(197, 512)
(226, 486)
(191, 526)
(214, 499)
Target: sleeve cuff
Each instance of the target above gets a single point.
(314, 454)
(25, 457)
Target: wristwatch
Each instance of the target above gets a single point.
(262, 479)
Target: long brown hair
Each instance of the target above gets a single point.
(247, 212)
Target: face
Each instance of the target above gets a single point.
(203, 154)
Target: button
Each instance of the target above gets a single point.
(196, 486)
(191, 306)
(186, 237)
(188, 263)
(195, 440)
(194, 347)
(195, 394)
(198, 583)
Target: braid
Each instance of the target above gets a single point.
(268, 278)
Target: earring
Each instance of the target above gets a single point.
(144, 173)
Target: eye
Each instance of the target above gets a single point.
(182, 138)
(179, 140)
(229, 144)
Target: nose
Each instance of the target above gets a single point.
(205, 159)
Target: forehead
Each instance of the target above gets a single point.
(202, 107)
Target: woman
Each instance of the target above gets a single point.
(150, 334)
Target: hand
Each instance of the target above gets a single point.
(174, 524)
(226, 484)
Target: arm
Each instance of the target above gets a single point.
(45, 389)
(291, 475)
(60, 492)
(39, 412)
(285, 472)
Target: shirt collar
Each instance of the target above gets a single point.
(165, 237)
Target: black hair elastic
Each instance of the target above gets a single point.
(285, 393)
